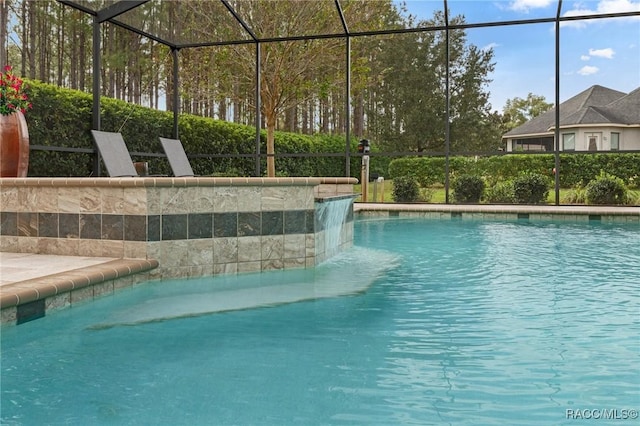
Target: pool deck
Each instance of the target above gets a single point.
(545, 210)
(26, 278)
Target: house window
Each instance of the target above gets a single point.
(568, 141)
(615, 141)
(533, 144)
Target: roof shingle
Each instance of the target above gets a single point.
(595, 105)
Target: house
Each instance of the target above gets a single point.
(598, 119)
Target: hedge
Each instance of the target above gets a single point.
(575, 169)
(62, 118)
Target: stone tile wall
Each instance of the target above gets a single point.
(192, 226)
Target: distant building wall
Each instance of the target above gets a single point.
(609, 138)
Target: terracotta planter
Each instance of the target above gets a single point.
(14, 145)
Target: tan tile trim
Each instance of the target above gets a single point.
(171, 181)
(39, 288)
(500, 209)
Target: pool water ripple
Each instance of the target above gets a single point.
(460, 323)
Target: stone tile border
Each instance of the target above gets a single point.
(162, 182)
(193, 226)
(502, 212)
(30, 299)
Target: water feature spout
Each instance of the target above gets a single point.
(333, 225)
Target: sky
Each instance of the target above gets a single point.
(603, 52)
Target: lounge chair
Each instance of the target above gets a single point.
(114, 153)
(177, 157)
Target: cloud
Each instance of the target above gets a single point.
(490, 46)
(588, 70)
(602, 53)
(585, 57)
(618, 6)
(526, 5)
(603, 7)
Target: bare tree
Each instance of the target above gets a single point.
(4, 22)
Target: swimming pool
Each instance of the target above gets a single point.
(437, 322)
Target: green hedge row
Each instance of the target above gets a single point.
(62, 118)
(575, 169)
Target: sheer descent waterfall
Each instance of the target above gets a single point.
(334, 225)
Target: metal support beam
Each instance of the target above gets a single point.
(347, 149)
(176, 91)
(556, 131)
(258, 109)
(348, 109)
(241, 21)
(447, 132)
(118, 8)
(95, 111)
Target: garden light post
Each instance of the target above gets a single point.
(364, 148)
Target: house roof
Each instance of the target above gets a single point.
(596, 105)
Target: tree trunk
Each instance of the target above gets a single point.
(271, 136)
(4, 14)
(222, 110)
(81, 55)
(358, 116)
(31, 31)
(59, 53)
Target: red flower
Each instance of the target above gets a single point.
(12, 96)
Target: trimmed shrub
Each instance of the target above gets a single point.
(468, 189)
(577, 195)
(607, 189)
(575, 169)
(405, 189)
(428, 171)
(426, 194)
(62, 118)
(530, 188)
(501, 193)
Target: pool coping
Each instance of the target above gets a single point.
(29, 299)
(502, 208)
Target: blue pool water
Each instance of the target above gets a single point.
(422, 322)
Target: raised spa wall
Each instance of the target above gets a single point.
(192, 227)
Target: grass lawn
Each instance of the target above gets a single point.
(438, 194)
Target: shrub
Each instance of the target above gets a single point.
(426, 194)
(405, 189)
(468, 189)
(574, 168)
(427, 171)
(530, 188)
(607, 189)
(501, 193)
(577, 195)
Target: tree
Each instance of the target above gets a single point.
(397, 81)
(4, 19)
(286, 66)
(300, 77)
(518, 111)
(409, 113)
